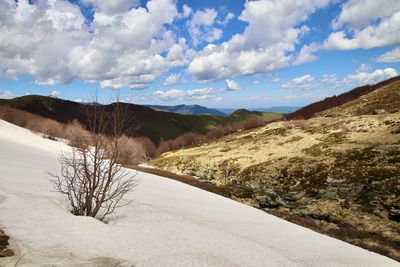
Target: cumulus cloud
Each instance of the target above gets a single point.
(267, 44)
(391, 56)
(172, 79)
(124, 46)
(232, 85)
(360, 13)
(362, 76)
(201, 26)
(303, 82)
(366, 24)
(227, 18)
(7, 94)
(186, 11)
(112, 7)
(186, 95)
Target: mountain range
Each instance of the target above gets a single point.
(189, 109)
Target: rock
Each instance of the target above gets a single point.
(267, 202)
(335, 182)
(6, 253)
(394, 214)
(3, 241)
(380, 214)
(379, 111)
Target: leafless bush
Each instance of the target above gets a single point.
(91, 176)
(148, 146)
(189, 139)
(253, 122)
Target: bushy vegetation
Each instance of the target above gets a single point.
(190, 139)
(135, 151)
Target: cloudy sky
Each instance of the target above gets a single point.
(217, 53)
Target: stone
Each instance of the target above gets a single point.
(6, 253)
(379, 111)
(394, 214)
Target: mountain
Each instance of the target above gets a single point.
(277, 109)
(189, 109)
(157, 125)
(337, 172)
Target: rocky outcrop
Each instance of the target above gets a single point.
(4, 252)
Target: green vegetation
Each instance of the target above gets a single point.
(157, 125)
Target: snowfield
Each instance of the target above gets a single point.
(168, 223)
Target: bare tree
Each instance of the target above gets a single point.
(91, 174)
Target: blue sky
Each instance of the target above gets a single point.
(224, 53)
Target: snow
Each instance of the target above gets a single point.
(168, 223)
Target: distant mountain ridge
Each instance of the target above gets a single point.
(275, 109)
(157, 125)
(188, 109)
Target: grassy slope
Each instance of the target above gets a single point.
(154, 124)
(338, 173)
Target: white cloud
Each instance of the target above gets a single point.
(168, 95)
(172, 79)
(113, 6)
(201, 26)
(267, 44)
(124, 46)
(369, 24)
(185, 95)
(232, 85)
(186, 11)
(227, 18)
(54, 93)
(360, 13)
(391, 56)
(7, 94)
(364, 77)
(303, 82)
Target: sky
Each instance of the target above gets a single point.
(215, 53)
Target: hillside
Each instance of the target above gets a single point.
(189, 109)
(335, 101)
(167, 223)
(337, 173)
(157, 125)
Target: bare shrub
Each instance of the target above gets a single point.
(133, 152)
(253, 122)
(91, 176)
(215, 133)
(148, 146)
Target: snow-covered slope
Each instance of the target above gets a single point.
(168, 223)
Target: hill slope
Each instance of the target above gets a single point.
(167, 224)
(154, 124)
(338, 173)
(335, 101)
(189, 109)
